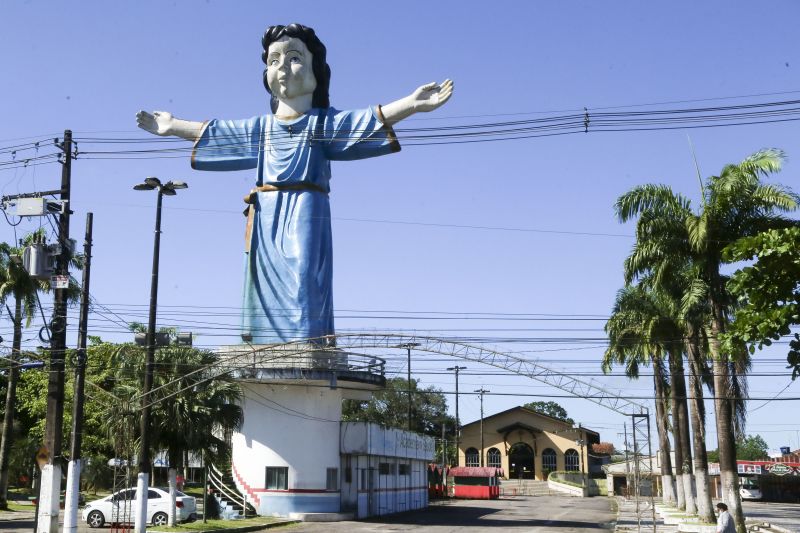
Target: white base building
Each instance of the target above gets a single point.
(386, 470)
(293, 455)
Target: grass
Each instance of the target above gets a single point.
(14, 507)
(198, 525)
(197, 492)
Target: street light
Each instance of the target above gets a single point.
(168, 189)
(581, 441)
(481, 391)
(458, 423)
(408, 347)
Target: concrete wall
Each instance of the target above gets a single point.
(374, 493)
(379, 471)
(388, 469)
(371, 439)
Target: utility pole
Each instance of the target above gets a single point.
(457, 369)
(408, 347)
(444, 446)
(481, 391)
(51, 472)
(75, 463)
(627, 463)
(444, 459)
(581, 442)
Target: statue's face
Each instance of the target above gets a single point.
(289, 72)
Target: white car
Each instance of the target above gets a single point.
(120, 507)
(749, 489)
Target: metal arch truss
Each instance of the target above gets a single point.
(588, 390)
(243, 357)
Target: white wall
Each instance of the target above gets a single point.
(292, 426)
(372, 439)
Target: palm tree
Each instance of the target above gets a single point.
(201, 412)
(631, 344)
(195, 409)
(14, 282)
(735, 204)
(685, 298)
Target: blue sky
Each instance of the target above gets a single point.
(493, 228)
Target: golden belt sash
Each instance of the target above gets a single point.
(250, 199)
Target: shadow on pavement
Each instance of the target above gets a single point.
(473, 516)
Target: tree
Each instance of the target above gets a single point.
(389, 407)
(736, 204)
(194, 409)
(768, 291)
(603, 448)
(550, 409)
(633, 341)
(14, 282)
(751, 448)
(713, 456)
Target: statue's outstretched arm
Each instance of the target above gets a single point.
(425, 98)
(163, 123)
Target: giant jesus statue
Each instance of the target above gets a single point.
(288, 249)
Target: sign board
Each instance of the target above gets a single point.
(748, 468)
(59, 282)
(780, 469)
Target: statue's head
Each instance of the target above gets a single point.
(319, 66)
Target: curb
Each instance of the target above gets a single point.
(13, 516)
(243, 529)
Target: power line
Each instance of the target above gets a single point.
(649, 120)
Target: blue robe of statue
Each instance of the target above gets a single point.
(288, 278)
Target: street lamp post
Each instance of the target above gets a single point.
(581, 442)
(143, 480)
(481, 391)
(457, 369)
(408, 347)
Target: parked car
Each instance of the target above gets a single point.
(120, 507)
(749, 489)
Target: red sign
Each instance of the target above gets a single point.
(768, 467)
(755, 468)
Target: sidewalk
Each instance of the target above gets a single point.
(17, 515)
(627, 520)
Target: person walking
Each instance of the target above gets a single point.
(724, 520)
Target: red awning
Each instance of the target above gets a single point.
(475, 471)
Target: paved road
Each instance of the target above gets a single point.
(786, 515)
(525, 513)
(539, 513)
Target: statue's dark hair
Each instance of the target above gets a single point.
(319, 65)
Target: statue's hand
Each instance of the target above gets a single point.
(432, 95)
(157, 122)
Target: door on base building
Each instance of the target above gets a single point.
(520, 462)
(368, 485)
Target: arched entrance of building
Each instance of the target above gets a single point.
(520, 462)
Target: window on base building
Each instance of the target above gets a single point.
(404, 469)
(386, 469)
(332, 477)
(277, 478)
